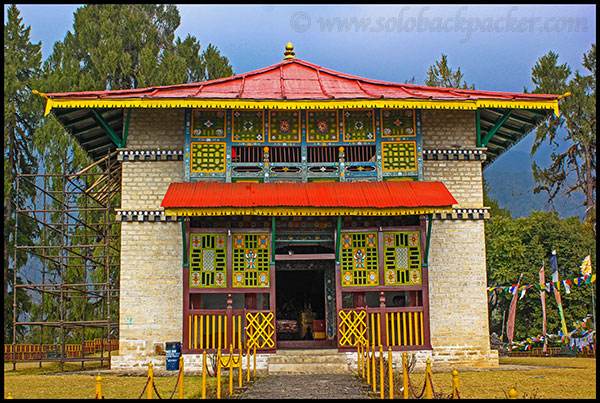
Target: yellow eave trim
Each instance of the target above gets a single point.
(304, 211)
(296, 104)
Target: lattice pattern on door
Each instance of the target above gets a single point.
(208, 260)
(358, 258)
(402, 258)
(250, 260)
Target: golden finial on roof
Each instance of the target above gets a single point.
(289, 51)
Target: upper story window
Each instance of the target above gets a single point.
(302, 145)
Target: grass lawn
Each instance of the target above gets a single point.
(578, 381)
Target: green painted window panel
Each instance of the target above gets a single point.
(248, 125)
(322, 126)
(398, 123)
(250, 260)
(208, 123)
(207, 157)
(358, 259)
(399, 156)
(284, 126)
(402, 258)
(208, 260)
(359, 125)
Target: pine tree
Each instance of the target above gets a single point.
(22, 112)
(441, 75)
(574, 131)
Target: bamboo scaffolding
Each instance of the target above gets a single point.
(71, 207)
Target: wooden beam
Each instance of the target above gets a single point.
(494, 129)
(107, 129)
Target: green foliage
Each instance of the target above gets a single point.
(441, 75)
(522, 245)
(22, 112)
(572, 135)
(216, 66)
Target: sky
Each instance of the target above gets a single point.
(494, 45)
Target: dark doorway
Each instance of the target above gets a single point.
(300, 296)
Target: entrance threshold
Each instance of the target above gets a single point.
(305, 344)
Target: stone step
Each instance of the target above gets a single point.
(302, 359)
(316, 351)
(307, 361)
(309, 368)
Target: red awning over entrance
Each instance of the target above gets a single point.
(346, 195)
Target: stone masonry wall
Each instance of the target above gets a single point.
(150, 305)
(144, 184)
(155, 128)
(458, 310)
(448, 128)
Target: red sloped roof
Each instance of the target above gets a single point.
(295, 79)
(387, 194)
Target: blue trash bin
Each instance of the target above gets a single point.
(173, 350)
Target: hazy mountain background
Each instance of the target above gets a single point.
(510, 182)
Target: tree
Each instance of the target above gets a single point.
(521, 245)
(216, 66)
(22, 112)
(110, 47)
(572, 135)
(441, 75)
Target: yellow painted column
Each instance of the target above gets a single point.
(455, 385)
(231, 368)
(181, 377)
(150, 380)
(204, 374)
(98, 387)
(404, 375)
(368, 359)
(381, 374)
(428, 390)
(390, 373)
(219, 373)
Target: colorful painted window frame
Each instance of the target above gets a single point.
(250, 260)
(359, 259)
(208, 260)
(402, 258)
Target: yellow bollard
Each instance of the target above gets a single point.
(254, 359)
(181, 377)
(428, 389)
(219, 373)
(358, 359)
(362, 360)
(381, 374)
(204, 374)
(9, 396)
(390, 373)
(404, 376)
(374, 368)
(247, 364)
(99, 387)
(240, 350)
(368, 359)
(512, 393)
(150, 379)
(240, 369)
(231, 369)
(455, 389)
